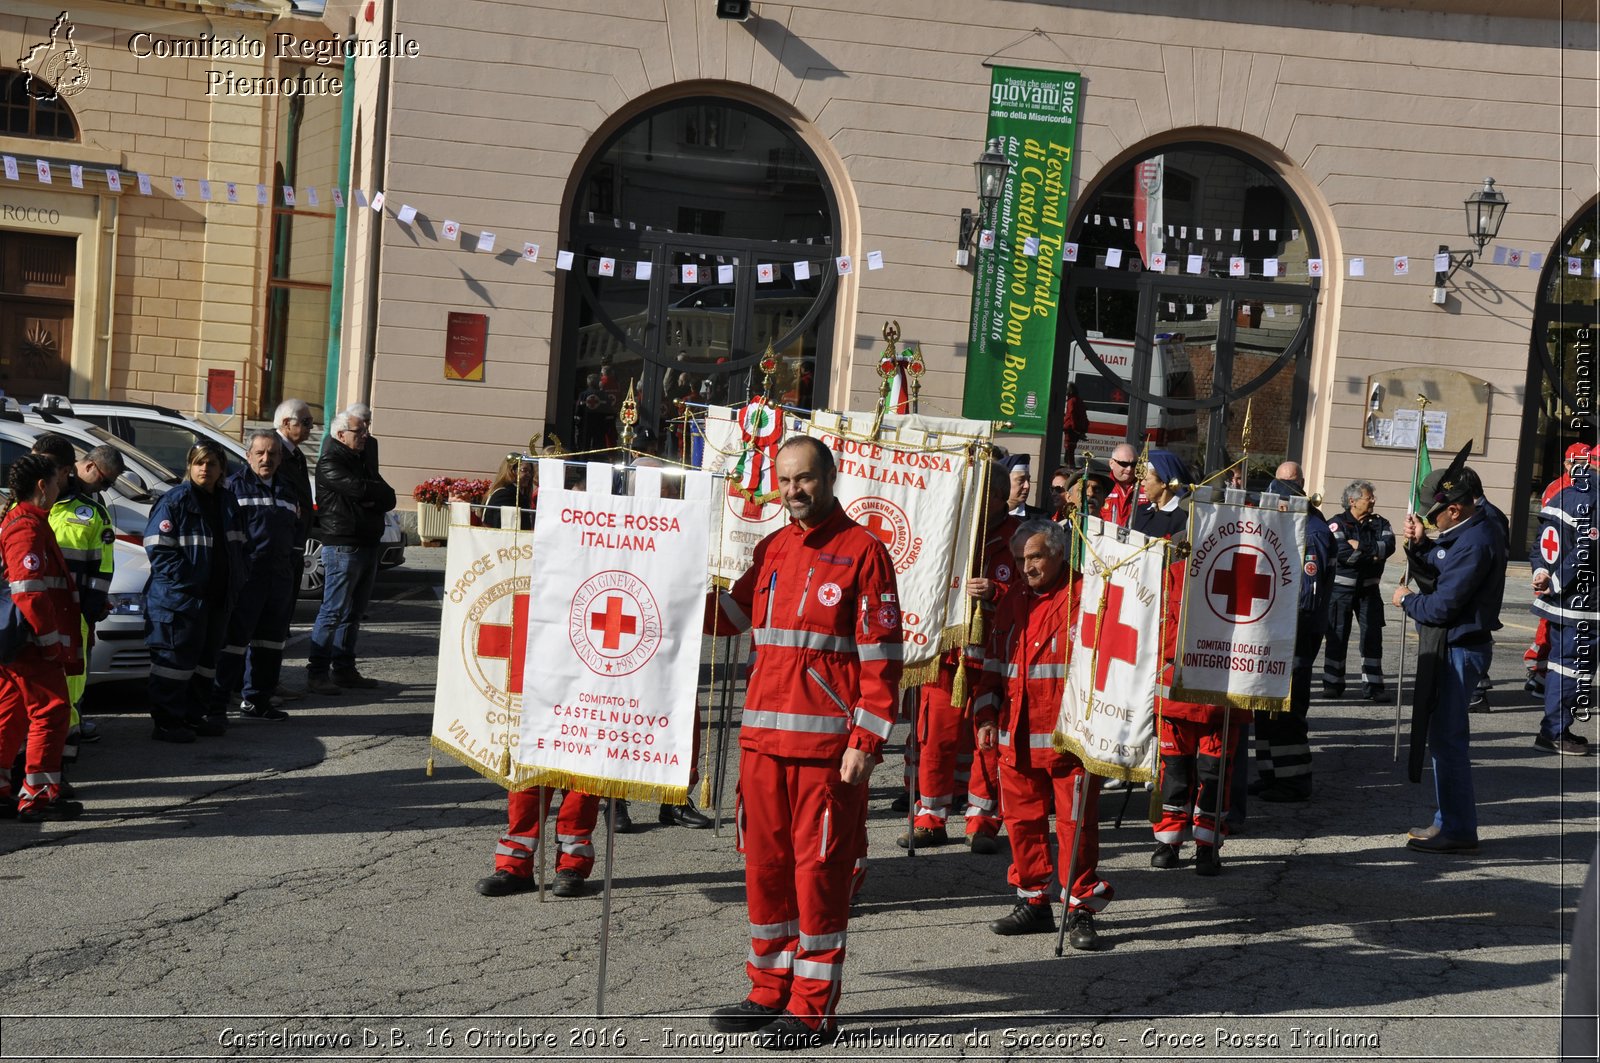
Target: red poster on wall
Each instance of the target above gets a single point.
(466, 338)
(220, 386)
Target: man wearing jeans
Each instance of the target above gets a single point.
(1463, 576)
(351, 502)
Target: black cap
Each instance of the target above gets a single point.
(1451, 486)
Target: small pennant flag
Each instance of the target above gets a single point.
(644, 270)
(288, 196)
(261, 195)
(1236, 266)
(1441, 262)
(77, 175)
(1402, 265)
(451, 230)
(205, 190)
(843, 265)
(564, 260)
(724, 274)
(1574, 266)
(1314, 267)
(179, 188)
(986, 239)
(42, 168)
(802, 270)
(231, 192)
(311, 197)
(1358, 267)
(1030, 247)
(377, 202)
(608, 267)
(764, 273)
(1069, 252)
(485, 240)
(690, 274)
(144, 184)
(406, 214)
(338, 198)
(10, 162)
(874, 260)
(1158, 262)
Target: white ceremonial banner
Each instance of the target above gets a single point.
(742, 523)
(614, 622)
(1241, 604)
(904, 486)
(1108, 711)
(477, 705)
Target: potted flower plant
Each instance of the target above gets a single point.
(433, 497)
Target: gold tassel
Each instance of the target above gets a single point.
(958, 686)
(430, 765)
(505, 762)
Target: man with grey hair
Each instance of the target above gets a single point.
(259, 622)
(351, 503)
(1018, 703)
(294, 424)
(1363, 542)
(369, 454)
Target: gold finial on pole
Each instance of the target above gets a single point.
(768, 366)
(629, 417)
(887, 363)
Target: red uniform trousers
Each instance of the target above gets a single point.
(519, 845)
(1030, 790)
(34, 707)
(803, 833)
(1190, 762)
(948, 763)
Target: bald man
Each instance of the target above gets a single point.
(1124, 497)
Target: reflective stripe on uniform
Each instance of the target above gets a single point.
(817, 971)
(868, 722)
(788, 638)
(27, 586)
(881, 651)
(777, 961)
(265, 644)
(171, 673)
(819, 942)
(774, 931)
(1047, 671)
(793, 721)
(731, 610)
(160, 540)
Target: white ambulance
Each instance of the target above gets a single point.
(1107, 403)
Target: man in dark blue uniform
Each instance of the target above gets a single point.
(1283, 739)
(1461, 580)
(1563, 559)
(1364, 544)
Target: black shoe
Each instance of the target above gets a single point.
(684, 815)
(66, 790)
(173, 733)
(744, 1017)
(983, 843)
(624, 820)
(1377, 695)
(1165, 856)
(1443, 843)
(1026, 918)
(1206, 862)
(568, 883)
(1332, 693)
(88, 732)
(57, 809)
(1422, 834)
(788, 1033)
(1080, 930)
(901, 803)
(353, 680)
(207, 727)
(504, 884)
(321, 684)
(251, 711)
(1286, 792)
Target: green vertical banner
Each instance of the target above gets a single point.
(1017, 288)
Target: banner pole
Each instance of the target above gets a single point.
(1411, 505)
(914, 766)
(1072, 861)
(544, 835)
(724, 712)
(1400, 681)
(605, 910)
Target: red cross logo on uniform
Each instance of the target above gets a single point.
(1241, 586)
(1550, 545)
(508, 642)
(614, 622)
(1110, 636)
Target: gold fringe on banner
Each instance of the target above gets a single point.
(916, 675)
(1064, 744)
(476, 765)
(1224, 700)
(564, 780)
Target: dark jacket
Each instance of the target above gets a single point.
(351, 501)
(1316, 577)
(269, 514)
(1360, 565)
(182, 553)
(295, 472)
(1467, 566)
(1565, 549)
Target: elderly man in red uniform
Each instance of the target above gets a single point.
(946, 766)
(825, 611)
(1019, 704)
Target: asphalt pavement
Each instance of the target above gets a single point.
(304, 890)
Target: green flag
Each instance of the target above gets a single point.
(1424, 468)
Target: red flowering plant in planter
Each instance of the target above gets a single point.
(442, 490)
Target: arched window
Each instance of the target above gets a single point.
(1192, 298)
(703, 232)
(23, 114)
(1559, 405)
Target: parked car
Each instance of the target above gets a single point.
(128, 499)
(119, 650)
(166, 433)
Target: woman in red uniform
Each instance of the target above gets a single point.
(33, 687)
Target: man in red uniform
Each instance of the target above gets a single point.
(518, 848)
(821, 697)
(1124, 497)
(1022, 690)
(945, 764)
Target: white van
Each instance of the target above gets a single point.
(1107, 403)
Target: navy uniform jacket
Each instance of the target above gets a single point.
(271, 517)
(178, 542)
(1360, 565)
(1468, 563)
(1316, 577)
(1566, 548)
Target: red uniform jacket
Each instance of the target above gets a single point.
(1025, 671)
(1000, 568)
(1120, 503)
(1165, 706)
(41, 585)
(825, 614)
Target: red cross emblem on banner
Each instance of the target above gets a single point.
(1109, 636)
(881, 527)
(1550, 545)
(614, 622)
(1241, 586)
(508, 642)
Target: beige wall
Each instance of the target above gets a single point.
(1382, 121)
